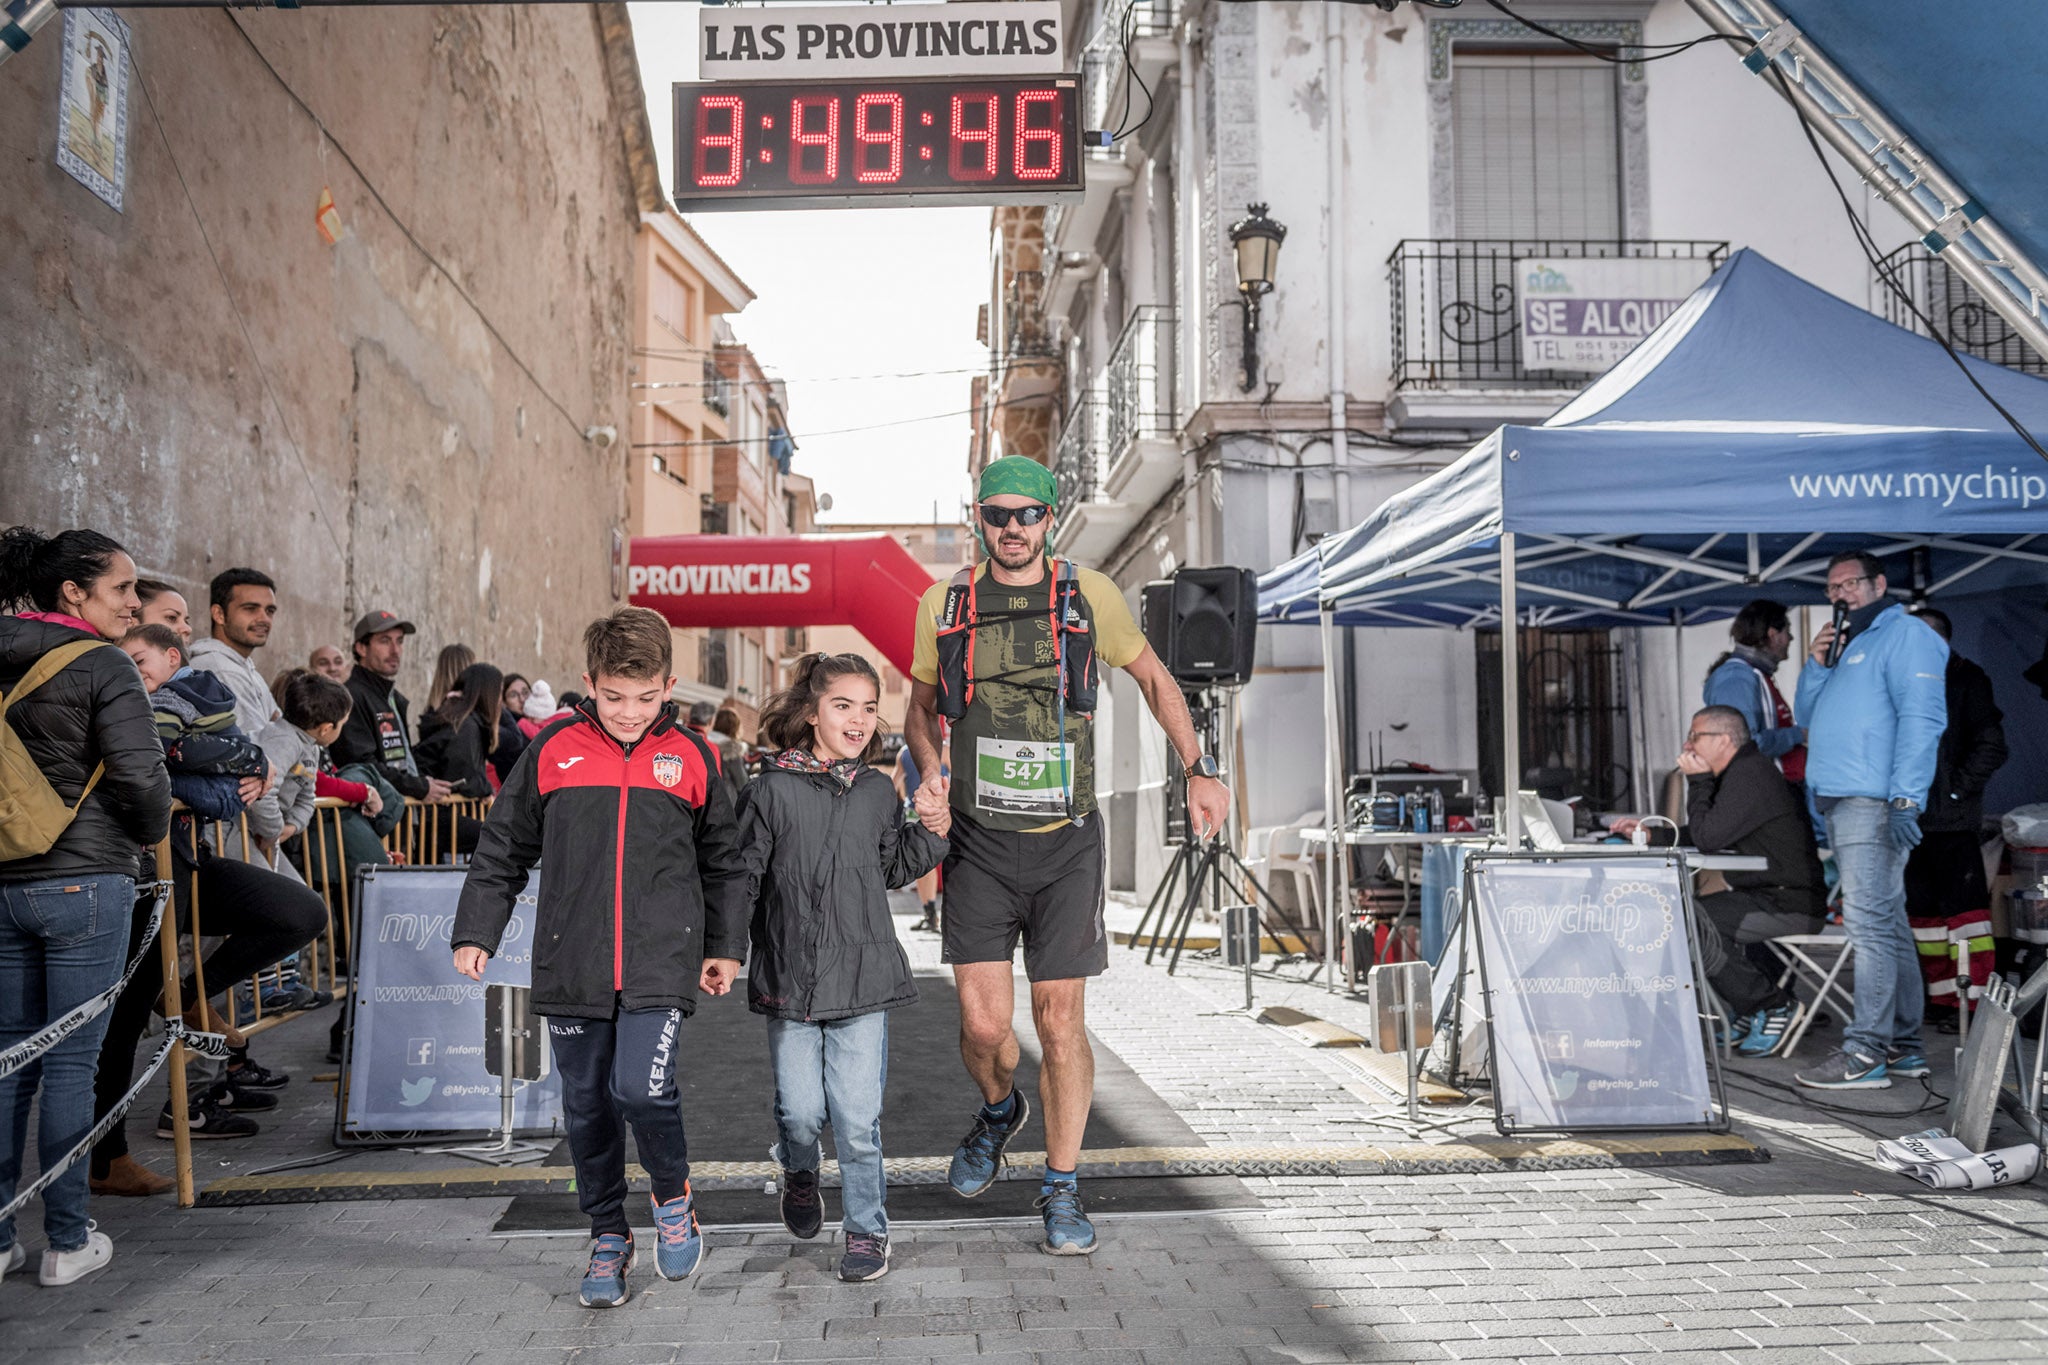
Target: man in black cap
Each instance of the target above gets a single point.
(377, 728)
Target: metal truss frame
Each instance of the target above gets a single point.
(1951, 223)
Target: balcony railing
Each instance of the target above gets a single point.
(1105, 76)
(1082, 464)
(1454, 315)
(1138, 382)
(1946, 300)
(717, 390)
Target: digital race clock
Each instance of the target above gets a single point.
(774, 144)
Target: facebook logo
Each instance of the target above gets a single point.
(419, 1052)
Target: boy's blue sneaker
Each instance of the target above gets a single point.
(1768, 1029)
(604, 1283)
(1067, 1230)
(679, 1245)
(1906, 1062)
(1846, 1070)
(980, 1154)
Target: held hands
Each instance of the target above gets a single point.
(469, 960)
(1905, 828)
(718, 975)
(1208, 806)
(934, 808)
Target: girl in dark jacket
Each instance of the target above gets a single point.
(460, 734)
(64, 913)
(824, 839)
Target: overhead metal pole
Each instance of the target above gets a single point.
(1951, 223)
(1510, 696)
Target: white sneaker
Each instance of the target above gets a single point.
(15, 1259)
(68, 1267)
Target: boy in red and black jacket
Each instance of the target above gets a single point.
(641, 907)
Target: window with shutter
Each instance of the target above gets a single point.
(1536, 147)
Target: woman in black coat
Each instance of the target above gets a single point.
(824, 839)
(460, 735)
(65, 907)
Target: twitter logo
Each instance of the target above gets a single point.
(412, 1094)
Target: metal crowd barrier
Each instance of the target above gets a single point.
(419, 836)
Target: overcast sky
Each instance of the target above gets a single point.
(848, 292)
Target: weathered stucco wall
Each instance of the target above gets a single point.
(399, 454)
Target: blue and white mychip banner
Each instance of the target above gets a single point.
(1588, 972)
(417, 1060)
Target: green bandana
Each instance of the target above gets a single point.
(1018, 474)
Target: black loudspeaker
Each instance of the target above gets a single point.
(1203, 623)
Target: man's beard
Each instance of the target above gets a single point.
(1014, 556)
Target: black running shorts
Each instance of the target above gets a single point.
(1046, 888)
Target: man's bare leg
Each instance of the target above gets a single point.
(1066, 1077)
(988, 1042)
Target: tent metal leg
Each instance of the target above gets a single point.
(1510, 694)
(1333, 801)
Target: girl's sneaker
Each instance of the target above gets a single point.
(866, 1258)
(679, 1242)
(604, 1283)
(803, 1209)
(69, 1267)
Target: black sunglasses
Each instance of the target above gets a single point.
(1000, 517)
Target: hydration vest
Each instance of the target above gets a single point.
(1073, 635)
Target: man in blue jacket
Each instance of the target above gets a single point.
(1874, 706)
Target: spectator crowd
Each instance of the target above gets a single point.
(125, 718)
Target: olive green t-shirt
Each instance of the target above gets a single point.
(1005, 754)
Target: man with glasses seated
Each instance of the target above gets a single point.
(1874, 706)
(1736, 801)
(1008, 652)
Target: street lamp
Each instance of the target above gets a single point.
(1256, 239)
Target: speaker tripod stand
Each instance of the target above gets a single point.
(1199, 866)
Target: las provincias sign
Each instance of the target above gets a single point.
(785, 42)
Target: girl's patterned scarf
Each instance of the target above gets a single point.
(804, 761)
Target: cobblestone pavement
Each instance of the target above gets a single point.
(1814, 1256)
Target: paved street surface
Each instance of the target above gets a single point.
(1814, 1256)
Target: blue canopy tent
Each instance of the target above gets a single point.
(1765, 425)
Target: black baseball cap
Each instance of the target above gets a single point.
(377, 622)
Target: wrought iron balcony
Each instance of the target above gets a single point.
(717, 390)
(1455, 321)
(1081, 466)
(1138, 382)
(1946, 300)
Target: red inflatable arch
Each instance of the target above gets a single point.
(869, 582)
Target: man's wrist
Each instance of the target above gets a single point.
(1202, 765)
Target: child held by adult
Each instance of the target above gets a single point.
(827, 964)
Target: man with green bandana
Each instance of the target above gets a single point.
(1027, 849)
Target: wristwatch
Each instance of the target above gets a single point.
(1904, 803)
(1205, 766)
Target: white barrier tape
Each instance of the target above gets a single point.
(209, 1044)
(22, 1053)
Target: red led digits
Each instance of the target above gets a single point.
(1048, 138)
(878, 122)
(966, 136)
(803, 138)
(735, 111)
